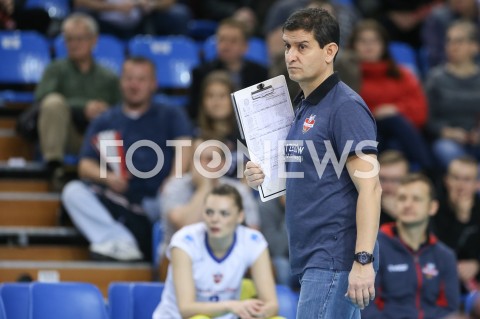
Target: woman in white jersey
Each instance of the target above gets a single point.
(208, 261)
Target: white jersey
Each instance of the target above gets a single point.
(215, 280)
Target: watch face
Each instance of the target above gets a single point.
(362, 258)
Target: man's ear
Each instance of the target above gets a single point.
(331, 50)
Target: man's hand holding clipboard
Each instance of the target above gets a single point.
(264, 114)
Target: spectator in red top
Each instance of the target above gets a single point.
(393, 94)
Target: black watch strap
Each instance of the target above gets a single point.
(363, 257)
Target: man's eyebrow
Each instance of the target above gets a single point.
(297, 42)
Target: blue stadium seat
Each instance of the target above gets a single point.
(287, 302)
(109, 51)
(134, 300)
(469, 301)
(2, 310)
(201, 29)
(257, 50)
(66, 300)
(57, 9)
(16, 300)
(24, 56)
(174, 57)
(405, 55)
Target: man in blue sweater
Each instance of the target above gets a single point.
(418, 274)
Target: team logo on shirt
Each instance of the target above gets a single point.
(430, 270)
(217, 278)
(308, 124)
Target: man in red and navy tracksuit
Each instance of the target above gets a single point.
(418, 276)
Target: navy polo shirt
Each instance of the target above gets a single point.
(158, 124)
(321, 207)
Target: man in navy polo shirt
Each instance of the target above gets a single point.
(332, 212)
(110, 210)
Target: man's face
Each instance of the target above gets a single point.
(304, 58)
(138, 83)
(79, 40)
(231, 44)
(461, 181)
(390, 177)
(414, 205)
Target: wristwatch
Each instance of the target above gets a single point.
(363, 257)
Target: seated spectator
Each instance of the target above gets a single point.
(403, 19)
(216, 119)
(232, 44)
(15, 16)
(281, 10)
(457, 223)
(181, 198)
(393, 94)
(72, 92)
(393, 168)
(418, 276)
(272, 221)
(437, 22)
(452, 91)
(209, 260)
(127, 18)
(106, 206)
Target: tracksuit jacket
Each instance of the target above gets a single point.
(411, 284)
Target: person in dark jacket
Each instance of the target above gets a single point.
(418, 276)
(232, 44)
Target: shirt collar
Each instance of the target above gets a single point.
(320, 92)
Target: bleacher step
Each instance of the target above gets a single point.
(24, 236)
(100, 274)
(23, 170)
(23, 185)
(8, 122)
(29, 209)
(44, 252)
(12, 145)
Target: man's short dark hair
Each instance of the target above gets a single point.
(237, 24)
(142, 60)
(466, 159)
(391, 157)
(322, 24)
(228, 190)
(419, 177)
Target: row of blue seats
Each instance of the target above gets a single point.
(25, 55)
(126, 300)
(59, 9)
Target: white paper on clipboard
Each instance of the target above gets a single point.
(264, 114)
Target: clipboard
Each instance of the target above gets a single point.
(264, 115)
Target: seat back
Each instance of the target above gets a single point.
(257, 50)
(24, 56)
(134, 300)
(405, 55)
(16, 300)
(287, 302)
(66, 300)
(2, 310)
(57, 9)
(109, 51)
(174, 57)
